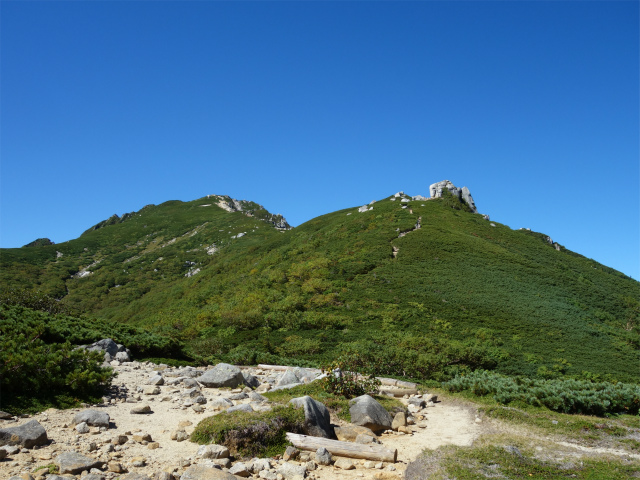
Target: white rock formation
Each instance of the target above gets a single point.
(436, 189)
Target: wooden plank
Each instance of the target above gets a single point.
(344, 449)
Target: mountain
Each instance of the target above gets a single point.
(420, 286)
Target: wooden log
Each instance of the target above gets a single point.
(396, 383)
(272, 367)
(344, 449)
(398, 392)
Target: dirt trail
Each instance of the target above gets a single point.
(446, 424)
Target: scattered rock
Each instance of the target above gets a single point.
(344, 464)
(222, 375)
(349, 433)
(93, 418)
(201, 472)
(323, 456)
(213, 451)
(367, 412)
(317, 420)
(291, 453)
(291, 470)
(27, 435)
(400, 420)
(74, 463)
(141, 410)
(240, 469)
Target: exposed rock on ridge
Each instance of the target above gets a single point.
(463, 193)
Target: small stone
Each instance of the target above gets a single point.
(240, 469)
(323, 456)
(119, 439)
(82, 428)
(153, 445)
(116, 467)
(141, 410)
(344, 464)
(291, 453)
(138, 462)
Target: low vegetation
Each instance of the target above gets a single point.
(251, 434)
(560, 395)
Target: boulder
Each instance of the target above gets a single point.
(287, 378)
(27, 435)
(250, 380)
(222, 375)
(5, 415)
(106, 345)
(317, 420)
(156, 380)
(201, 472)
(93, 418)
(74, 463)
(367, 412)
(400, 420)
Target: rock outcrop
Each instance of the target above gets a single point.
(436, 189)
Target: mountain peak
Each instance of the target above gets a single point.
(436, 189)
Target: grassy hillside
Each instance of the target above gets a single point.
(456, 294)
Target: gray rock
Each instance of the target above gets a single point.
(250, 380)
(213, 451)
(238, 396)
(240, 469)
(82, 428)
(190, 383)
(27, 435)
(201, 472)
(222, 375)
(11, 449)
(344, 464)
(221, 403)
(74, 463)
(5, 415)
(260, 464)
(317, 420)
(323, 456)
(304, 375)
(106, 345)
(287, 378)
(463, 193)
(141, 410)
(3, 454)
(123, 357)
(417, 401)
(284, 387)
(93, 418)
(245, 407)
(291, 470)
(367, 412)
(400, 420)
(134, 476)
(93, 476)
(256, 397)
(156, 380)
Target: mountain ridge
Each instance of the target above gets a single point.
(431, 287)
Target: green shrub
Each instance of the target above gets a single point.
(344, 378)
(253, 434)
(566, 396)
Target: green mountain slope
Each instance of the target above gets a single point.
(455, 294)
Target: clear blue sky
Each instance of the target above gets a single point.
(311, 107)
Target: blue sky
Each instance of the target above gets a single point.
(311, 107)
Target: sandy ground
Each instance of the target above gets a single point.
(445, 424)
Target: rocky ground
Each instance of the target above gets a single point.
(153, 409)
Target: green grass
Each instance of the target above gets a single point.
(504, 461)
(251, 434)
